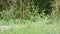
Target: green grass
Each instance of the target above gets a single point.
(40, 26)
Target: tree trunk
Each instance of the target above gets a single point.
(57, 8)
(28, 2)
(21, 10)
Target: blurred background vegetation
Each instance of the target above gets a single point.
(29, 9)
(30, 16)
(10, 9)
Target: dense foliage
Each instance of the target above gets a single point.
(9, 9)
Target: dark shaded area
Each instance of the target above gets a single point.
(44, 6)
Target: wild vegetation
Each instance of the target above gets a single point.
(29, 16)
